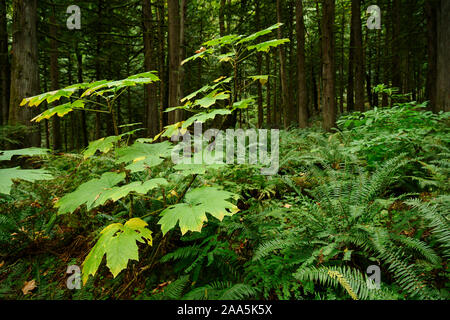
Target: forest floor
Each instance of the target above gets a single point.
(373, 193)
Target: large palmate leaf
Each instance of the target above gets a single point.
(211, 98)
(108, 86)
(30, 152)
(98, 88)
(265, 46)
(88, 192)
(118, 242)
(191, 214)
(261, 33)
(117, 193)
(204, 116)
(52, 96)
(60, 110)
(144, 155)
(8, 175)
(104, 145)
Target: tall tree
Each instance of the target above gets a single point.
(431, 16)
(24, 67)
(359, 56)
(174, 58)
(396, 45)
(328, 72)
(301, 67)
(4, 65)
(285, 102)
(351, 73)
(443, 57)
(259, 69)
(150, 95)
(54, 79)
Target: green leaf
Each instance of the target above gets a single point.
(88, 192)
(8, 175)
(192, 214)
(205, 116)
(7, 155)
(117, 193)
(144, 155)
(211, 99)
(262, 78)
(197, 56)
(104, 145)
(260, 33)
(223, 41)
(118, 242)
(265, 46)
(243, 104)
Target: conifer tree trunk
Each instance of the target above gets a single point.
(174, 58)
(4, 66)
(301, 67)
(54, 81)
(359, 56)
(285, 103)
(443, 57)
(150, 96)
(259, 70)
(24, 68)
(328, 71)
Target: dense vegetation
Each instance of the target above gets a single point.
(88, 178)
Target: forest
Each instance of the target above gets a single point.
(224, 150)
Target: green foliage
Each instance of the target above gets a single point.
(118, 243)
(8, 175)
(89, 193)
(191, 214)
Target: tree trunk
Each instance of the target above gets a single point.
(285, 103)
(150, 101)
(359, 56)
(259, 70)
(182, 54)
(268, 92)
(328, 72)
(161, 62)
(443, 57)
(4, 66)
(351, 74)
(301, 67)
(174, 58)
(431, 16)
(24, 67)
(80, 80)
(54, 82)
(396, 46)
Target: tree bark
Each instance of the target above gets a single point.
(396, 46)
(443, 57)
(328, 72)
(54, 82)
(174, 58)
(24, 68)
(285, 103)
(259, 69)
(4, 66)
(150, 96)
(301, 67)
(80, 80)
(359, 56)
